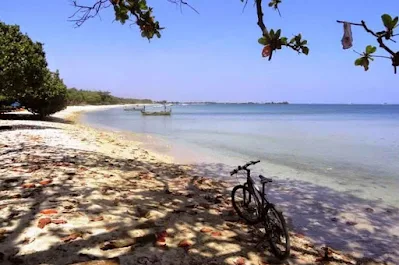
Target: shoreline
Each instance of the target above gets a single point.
(106, 189)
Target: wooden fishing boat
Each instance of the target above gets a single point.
(157, 113)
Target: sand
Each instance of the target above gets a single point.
(70, 194)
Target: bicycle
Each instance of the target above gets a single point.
(257, 209)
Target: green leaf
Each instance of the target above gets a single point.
(370, 49)
(271, 4)
(359, 61)
(284, 40)
(305, 50)
(387, 20)
(271, 34)
(262, 41)
(395, 22)
(364, 62)
(304, 42)
(278, 33)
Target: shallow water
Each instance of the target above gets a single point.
(351, 148)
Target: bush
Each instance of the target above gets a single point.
(50, 98)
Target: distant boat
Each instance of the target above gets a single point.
(133, 109)
(156, 113)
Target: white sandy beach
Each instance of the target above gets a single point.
(71, 194)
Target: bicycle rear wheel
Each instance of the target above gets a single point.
(278, 233)
(245, 205)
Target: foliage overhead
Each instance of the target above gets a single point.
(22, 62)
(141, 14)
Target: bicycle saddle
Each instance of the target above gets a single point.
(264, 180)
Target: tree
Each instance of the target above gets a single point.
(271, 39)
(24, 76)
(50, 98)
(22, 62)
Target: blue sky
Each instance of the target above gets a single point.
(214, 55)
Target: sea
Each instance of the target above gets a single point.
(351, 148)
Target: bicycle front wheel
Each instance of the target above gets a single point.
(245, 205)
(278, 233)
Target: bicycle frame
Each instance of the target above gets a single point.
(250, 184)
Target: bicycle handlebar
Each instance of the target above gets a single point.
(244, 167)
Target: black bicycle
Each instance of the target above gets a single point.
(252, 205)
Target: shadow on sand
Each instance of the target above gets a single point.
(149, 198)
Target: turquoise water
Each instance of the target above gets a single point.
(352, 148)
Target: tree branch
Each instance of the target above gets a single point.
(181, 2)
(245, 5)
(87, 12)
(381, 56)
(259, 12)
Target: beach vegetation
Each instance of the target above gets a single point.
(24, 76)
(91, 97)
(49, 98)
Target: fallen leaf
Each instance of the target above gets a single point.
(71, 237)
(240, 261)
(45, 182)
(58, 221)
(163, 234)
(216, 234)
(43, 222)
(185, 243)
(28, 185)
(206, 230)
(48, 211)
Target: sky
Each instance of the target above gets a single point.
(214, 55)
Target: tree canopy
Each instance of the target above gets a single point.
(49, 98)
(24, 76)
(22, 62)
(271, 39)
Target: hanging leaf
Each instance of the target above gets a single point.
(387, 20)
(278, 33)
(262, 41)
(370, 49)
(271, 33)
(364, 62)
(359, 61)
(305, 50)
(395, 22)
